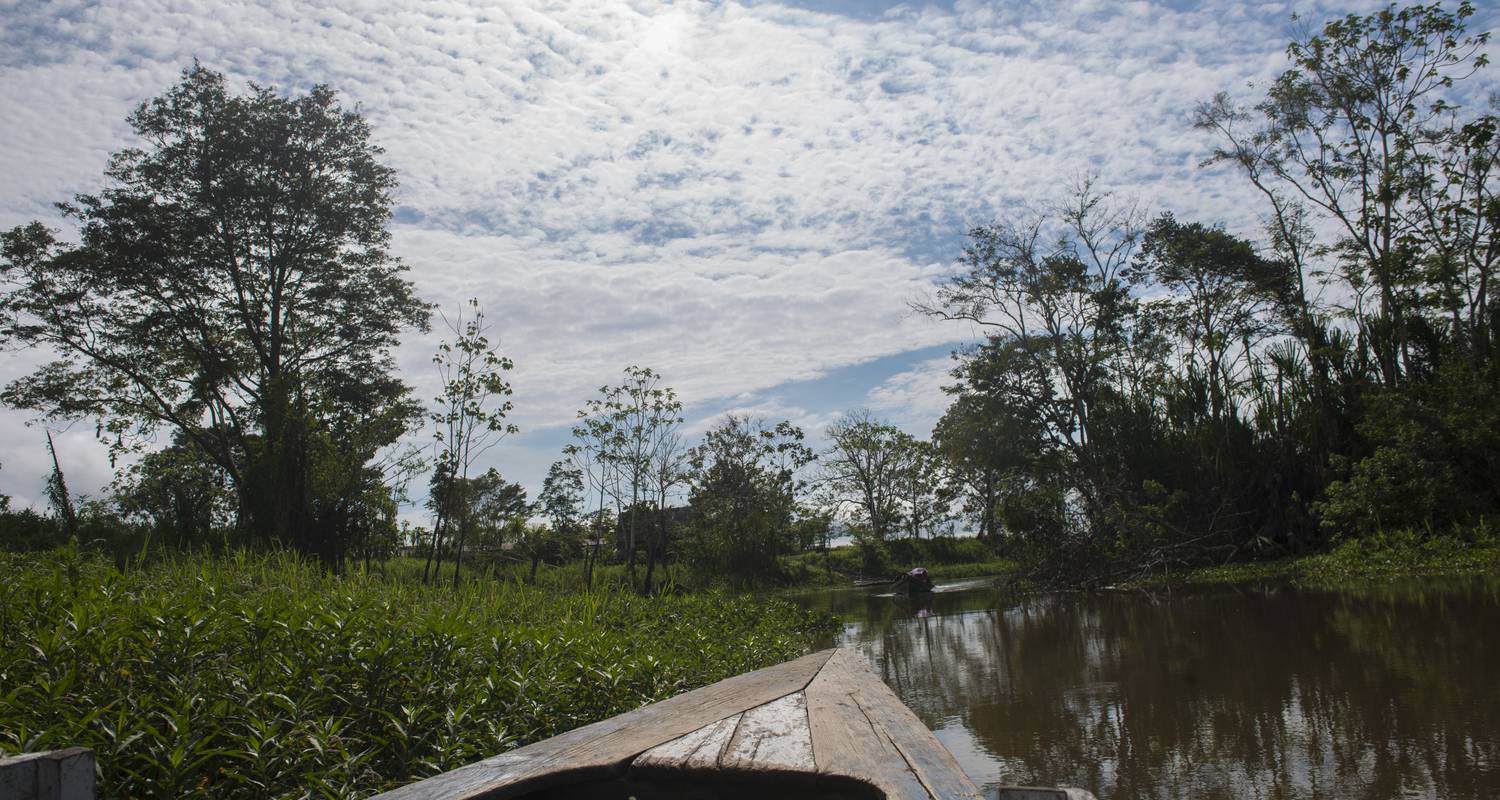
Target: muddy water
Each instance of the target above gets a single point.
(1256, 691)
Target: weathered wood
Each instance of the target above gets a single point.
(698, 750)
(932, 764)
(66, 774)
(772, 737)
(823, 725)
(847, 743)
(606, 748)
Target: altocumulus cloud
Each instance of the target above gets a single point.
(741, 195)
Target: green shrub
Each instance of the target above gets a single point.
(260, 676)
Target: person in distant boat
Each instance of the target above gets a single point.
(917, 580)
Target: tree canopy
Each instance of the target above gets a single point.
(232, 283)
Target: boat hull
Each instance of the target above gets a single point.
(820, 726)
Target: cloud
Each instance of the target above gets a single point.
(740, 195)
(914, 400)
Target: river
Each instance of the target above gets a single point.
(1384, 691)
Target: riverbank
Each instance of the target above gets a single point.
(946, 559)
(255, 676)
(1393, 554)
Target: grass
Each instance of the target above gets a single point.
(259, 676)
(1390, 554)
(945, 559)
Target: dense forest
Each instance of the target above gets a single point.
(1150, 391)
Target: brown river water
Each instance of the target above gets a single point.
(1371, 692)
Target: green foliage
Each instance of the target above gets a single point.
(468, 420)
(1377, 556)
(231, 284)
(183, 497)
(744, 499)
(1154, 396)
(861, 470)
(628, 445)
(945, 557)
(1436, 452)
(262, 676)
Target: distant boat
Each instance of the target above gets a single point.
(914, 582)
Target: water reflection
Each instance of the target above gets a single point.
(1246, 692)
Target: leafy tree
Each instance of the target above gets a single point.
(669, 469)
(744, 497)
(469, 420)
(921, 483)
(634, 425)
(562, 495)
(1364, 129)
(589, 456)
(182, 496)
(861, 468)
(1220, 291)
(229, 279)
(1053, 293)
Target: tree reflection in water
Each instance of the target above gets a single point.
(1242, 692)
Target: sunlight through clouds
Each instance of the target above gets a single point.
(737, 194)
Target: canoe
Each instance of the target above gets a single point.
(819, 726)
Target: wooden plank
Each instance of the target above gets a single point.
(933, 765)
(861, 730)
(845, 742)
(772, 737)
(606, 748)
(697, 750)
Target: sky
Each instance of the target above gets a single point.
(745, 196)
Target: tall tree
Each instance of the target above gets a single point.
(1053, 293)
(922, 484)
(744, 497)
(562, 500)
(861, 468)
(232, 274)
(633, 422)
(1219, 294)
(469, 418)
(1365, 128)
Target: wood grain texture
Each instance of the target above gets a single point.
(772, 737)
(847, 744)
(605, 748)
(697, 750)
(861, 730)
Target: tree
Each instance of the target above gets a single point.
(744, 496)
(562, 500)
(922, 485)
(861, 468)
(589, 455)
(468, 421)
(632, 423)
(1364, 129)
(231, 276)
(1053, 293)
(181, 495)
(669, 469)
(1220, 292)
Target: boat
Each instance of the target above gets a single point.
(819, 726)
(916, 583)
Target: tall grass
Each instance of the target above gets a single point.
(257, 676)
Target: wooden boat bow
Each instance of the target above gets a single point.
(822, 725)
